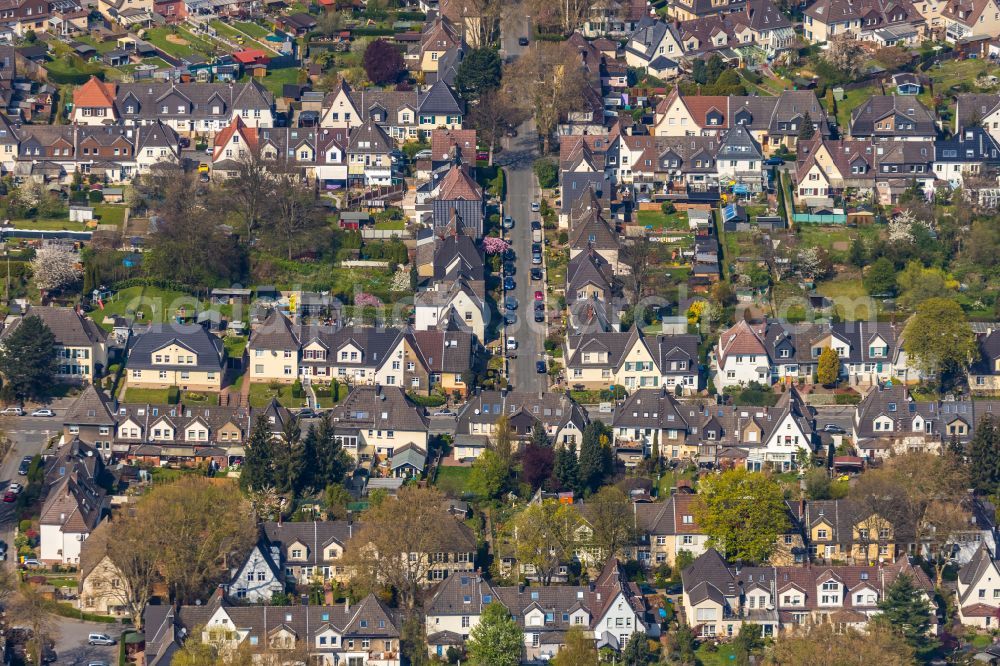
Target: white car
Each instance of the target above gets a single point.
(43, 412)
(535, 207)
(511, 344)
(15, 488)
(12, 411)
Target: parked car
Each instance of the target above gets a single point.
(12, 411)
(423, 155)
(540, 367)
(22, 469)
(510, 319)
(510, 255)
(834, 428)
(539, 316)
(509, 268)
(536, 247)
(522, 41)
(510, 303)
(511, 343)
(536, 273)
(307, 413)
(774, 161)
(508, 283)
(539, 305)
(539, 296)
(536, 258)
(44, 411)
(536, 225)
(536, 235)
(443, 412)
(31, 563)
(508, 222)
(3, 546)
(9, 496)
(535, 207)
(100, 639)
(15, 488)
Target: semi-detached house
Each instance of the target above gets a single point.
(81, 346)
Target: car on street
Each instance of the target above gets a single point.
(522, 41)
(100, 639)
(508, 222)
(443, 412)
(22, 469)
(510, 303)
(536, 225)
(539, 305)
(511, 343)
(15, 488)
(536, 258)
(508, 283)
(9, 496)
(509, 319)
(425, 154)
(3, 546)
(510, 268)
(536, 235)
(31, 563)
(539, 296)
(539, 316)
(536, 273)
(540, 367)
(13, 411)
(535, 207)
(44, 411)
(834, 428)
(510, 255)
(536, 247)
(307, 414)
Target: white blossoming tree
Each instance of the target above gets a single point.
(55, 268)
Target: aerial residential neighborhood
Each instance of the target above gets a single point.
(408, 333)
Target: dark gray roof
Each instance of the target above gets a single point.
(209, 350)
(90, 407)
(276, 332)
(69, 327)
(315, 535)
(369, 138)
(198, 99)
(440, 100)
(588, 268)
(911, 118)
(379, 408)
(738, 144)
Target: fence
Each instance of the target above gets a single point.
(819, 218)
(386, 234)
(363, 263)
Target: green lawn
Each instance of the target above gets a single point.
(235, 344)
(102, 47)
(255, 30)
(852, 99)
(153, 396)
(261, 394)
(453, 481)
(225, 30)
(49, 224)
(390, 225)
(72, 65)
(110, 214)
(277, 78)
(657, 221)
(849, 296)
(201, 42)
(155, 304)
(158, 38)
(720, 657)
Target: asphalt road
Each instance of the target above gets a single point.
(29, 435)
(517, 158)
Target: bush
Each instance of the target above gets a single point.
(96, 196)
(847, 398)
(668, 208)
(563, 238)
(426, 400)
(547, 173)
(173, 395)
(297, 390)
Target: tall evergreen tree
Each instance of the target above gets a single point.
(538, 435)
(565, 470)
(907, 613)
(28, 359)
(984, 455)
(807, 131)
(256, 472)
(329, 462)
(596, 457)
(287, 461)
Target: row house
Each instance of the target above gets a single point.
(372, 422)
(592, 293)
(595, 360)
(591, 232)
(885, 22)
(893, 118)
(889, 421)
(367, 633)
(74, 502)
(966, 157)
(720, 598)
(321, 155)
(20, 16)
(754, 437)
(845, 531)
(190, 358)
(977, 110)
(772, 121)
(55, 152)
(562, 417)
(689, 10)
(984, 373)
(81, 346)
(188, 108)
(610, 610)
(402, 115)
(963, 19)
(309, 552)
(760, 26)
(667, 528)
(978, 590)
(452, 305)
(769, 352)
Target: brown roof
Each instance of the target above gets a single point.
(94, 93)
(458, 185)
(700, 105)
(740, 339)
(444, 140)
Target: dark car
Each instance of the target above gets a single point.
(510, 268)
(510, 303)
(540, 305)
(508, 283)
(774, 161)
(540, 367)
(22, 469)
(834, 428)
(536, 273)
(536, 247)
(522, 41)
(510, 319)
(509, 255)
(539, 316)
(536, 225)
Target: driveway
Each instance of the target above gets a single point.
(70, 637)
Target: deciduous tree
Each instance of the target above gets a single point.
(610, 514)
(548, 81)
(32, 609)
(493, 113)
(943, 525)
(544, 536)
(938, 337)
(383, 62)
(579, 650)
(826, 645)
(496, 640)
(727, 503)
(55, 268)
(845, 54)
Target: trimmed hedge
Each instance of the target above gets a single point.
(65, 610)
(372, 32)
(173, 395)
(427, 400)
(152, 282)
(847, 398)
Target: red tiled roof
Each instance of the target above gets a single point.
(249, 135)
(248, 56)
(457, 184)
(94, 93)
(442, 141)
(979, 610)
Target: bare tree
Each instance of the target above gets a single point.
(249, 191)
(637, 255)
(396, 541)
(567, 14)
(293, 214)
(132, 570)
(846, 54)
(548, 81)
(33, 610)
(941, 527)
(492, 114)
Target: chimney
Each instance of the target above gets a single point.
(347, 604)
(802, 507)
(328, 596)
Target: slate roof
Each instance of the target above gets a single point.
(315, 535)
(589, 229)
(373, 344)
(90, 407)
(408, 454)
(904, 108)
(74, 499)
(552, 409)
(970, 108)
(208, 349)
(70, 328)
(276, 332)
(461, 594)
(738, 144)
(973, 145)
(445, 351)
(198, 99)
(369, 138)
(379, 408)
(588, 268)
(456, 256)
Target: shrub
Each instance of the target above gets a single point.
(96, 196)
(297, 390)
(547, 173)
(173, 395)
(668, 208)
(847, 398)
(563, 238)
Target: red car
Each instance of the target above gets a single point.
(10, 496)
(539, 296)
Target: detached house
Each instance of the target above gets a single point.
(74, 503)
(188, 357)
(373, 421)
(978, 590)
(81, 346)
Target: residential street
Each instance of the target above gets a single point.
(29, 436)
(519, 154)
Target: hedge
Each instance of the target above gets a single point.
(847, 398)
(173, 395)
(372, 32)
(65, 610)
(427, 400)
(152, 282)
